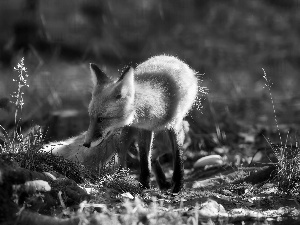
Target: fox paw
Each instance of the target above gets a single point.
(176, 187)
(165, 185)
(145, 185)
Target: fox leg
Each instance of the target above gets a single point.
(162, 147)
(128, 136)
(177, 138)
(145, 145)
(160, 177)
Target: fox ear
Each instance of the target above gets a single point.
(127, 80)
(98, 76)
(124, 72)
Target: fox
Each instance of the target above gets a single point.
(155, 96)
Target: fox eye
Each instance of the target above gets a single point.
(118, 96)
(100, 119)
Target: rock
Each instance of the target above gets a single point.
(209, 160)
(212, 209)
(37, 185)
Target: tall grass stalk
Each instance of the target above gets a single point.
(18, 95)
(268, 85)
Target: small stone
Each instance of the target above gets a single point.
(208, 161)
(212, 209)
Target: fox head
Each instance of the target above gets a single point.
(111, 106)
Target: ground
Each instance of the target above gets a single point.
(226, 193)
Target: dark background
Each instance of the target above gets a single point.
(227, 41)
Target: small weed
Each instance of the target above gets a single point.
(18, 141)
(288, 173)
(288, 156)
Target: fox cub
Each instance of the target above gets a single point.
(154, 96)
